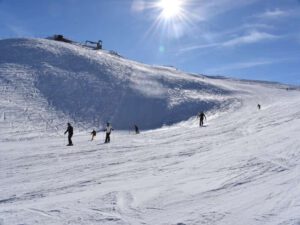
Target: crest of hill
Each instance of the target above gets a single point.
(93, 87)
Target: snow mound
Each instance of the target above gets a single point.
(73, 83)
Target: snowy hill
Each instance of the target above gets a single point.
(241, 168)
(94, 86)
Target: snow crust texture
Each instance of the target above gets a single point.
(241, 168)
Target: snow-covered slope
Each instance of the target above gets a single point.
(241, 168)
(95, 87)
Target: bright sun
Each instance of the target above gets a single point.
(173, 17)
(170, 8)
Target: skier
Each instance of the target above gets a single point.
(258, 106)
(136, 129)
(201, 116)
(70, 134)
(108, 130)
(93, 133)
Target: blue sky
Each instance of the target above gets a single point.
(253, 39)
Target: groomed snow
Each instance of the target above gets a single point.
(241, 168)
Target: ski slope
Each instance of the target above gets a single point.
(241, 168)
(93, 87)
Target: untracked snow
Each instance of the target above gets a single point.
(241, 168)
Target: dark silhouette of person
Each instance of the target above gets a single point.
(108, 130)
(70, 134)
(202, 116)
(258, 106)
(137, 131)
(93, 133)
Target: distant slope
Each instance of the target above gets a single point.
(93, 87)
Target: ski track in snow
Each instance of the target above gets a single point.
(241, 168)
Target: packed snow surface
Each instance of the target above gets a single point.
(242, 167)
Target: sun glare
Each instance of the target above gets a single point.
(170, 8)
(172, 19)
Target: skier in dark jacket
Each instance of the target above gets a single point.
(258, 106)
(136, 129)
(70, 134)
(108, 130)
(93, 133)
(202, 117)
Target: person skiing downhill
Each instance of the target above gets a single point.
(70, 134)
(136, 129)
(93, 133)
(202, 117)
(108, 130)
(258, 106)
